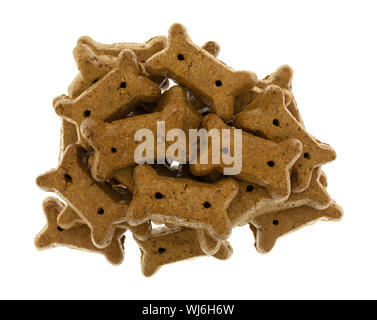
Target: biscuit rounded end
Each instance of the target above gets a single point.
(212, 48)
(283, 76)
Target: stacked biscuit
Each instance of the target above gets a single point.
(193, 205)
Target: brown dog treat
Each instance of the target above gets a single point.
(315, 196)
(271, 226)
(122, 193)
(142, 50)
(196, 69)
(112, 153)
(92, 68)
(212, 47)
(253, 200)
(273, 120)
(172, 245)
(282, 77)
(263, 162)
(177, 95)
(111, 97)
(181, 201)
(68, 219)
(94, 60)
(73, 182)
(76, 238)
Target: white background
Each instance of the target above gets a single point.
(332, 47)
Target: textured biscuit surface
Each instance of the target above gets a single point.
(276, 123)
(77, 238)
(94, 60)
(263, 161)
(199, 71)
(269, 227)
(112, 154)
(113, 96)
(171, 245)
(181, 201)
(73, 182)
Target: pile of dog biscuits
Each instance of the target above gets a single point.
(179, 209)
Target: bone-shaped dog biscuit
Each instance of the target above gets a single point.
(142, 50)
(95, 205)
(111, 97)
(171, 245)
(269, 227)
(181, 201)
(112, 153)
(263, 162)
(196, 69)
(282, 78)
(94, 60)
(68, 219)
(273, 120)
(253, 201)
(315, 196)
(76, 238)
(92, 68)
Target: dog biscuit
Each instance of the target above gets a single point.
(171, 245)
(274, 121)
(112, 154)
(263, 162)
(94, 60)
(196, 69)
(282, 78)
(68, 219)
(73, 182)
(113, 96)
(181, 201)
(76, 238)
(269, 227)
